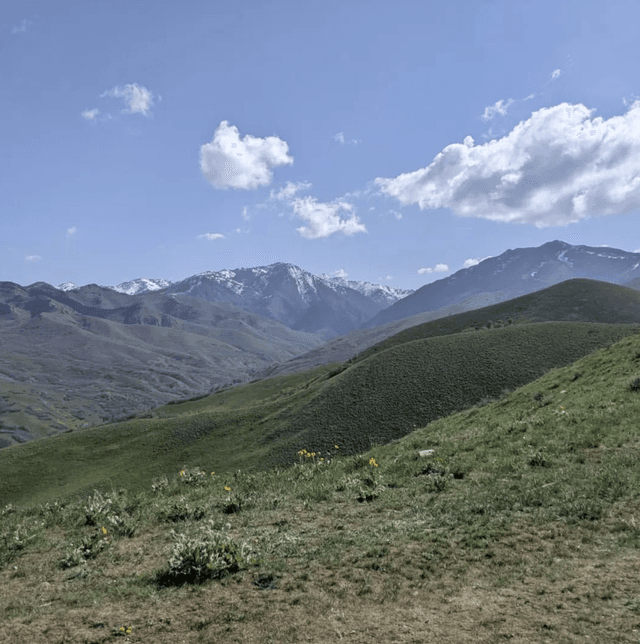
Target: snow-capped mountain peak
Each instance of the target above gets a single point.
(140, 285)
(67, 286)
(381, 293)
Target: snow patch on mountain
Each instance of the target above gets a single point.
(386, 295)
(67, 286)
(140, 285)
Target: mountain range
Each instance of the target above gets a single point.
(514, 273)
(76, 356)
(281, 291)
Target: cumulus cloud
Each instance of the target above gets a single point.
(231, 162)
(90, 115)
(496, 108)
(32, 258)
(555, 73)
(324, 219)
(138, 99)
(468, 263)
(438, 268)
(288, 192)
(211, 236)
(340, 273)
(71, 231)
(556, 168)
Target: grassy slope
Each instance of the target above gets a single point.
(267, 422)
(578, 300)
(521, 527)
(387, 395)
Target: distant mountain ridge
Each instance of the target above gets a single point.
(330, 306)
(512, 274)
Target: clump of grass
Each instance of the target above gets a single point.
(176, 510)
(204, 553)
(88, 548)
(634, 385)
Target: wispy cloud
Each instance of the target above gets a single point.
(289, 191)
(21, 27)
(138, 99)
(555, 74)
(32, 258)
(231, 162)
(438, 268)
(555, 168)
(323, 219)
(496, 108)
(211, 236)
(90, 115)
(71, 231)
(339, 137)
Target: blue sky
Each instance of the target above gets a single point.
(392, 142)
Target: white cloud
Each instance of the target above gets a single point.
(231, 162)
(496, 108)
(556, 168)
(468, 263)
(90, 115)
(21, 28)
(288, 192)
(211, 236)
(137, 98)
(339, 137)
(438, 268)
(323, 218)
(32, 258)
(71, 231)
(555, 73)
(637, 250)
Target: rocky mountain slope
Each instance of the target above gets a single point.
(330, 306)
(514, 273)
(83, 357)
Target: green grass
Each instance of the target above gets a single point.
(522, 525)
(576, 300)
(258, 425)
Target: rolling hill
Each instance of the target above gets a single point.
(515, 520)
(573, 300)
(376, 400)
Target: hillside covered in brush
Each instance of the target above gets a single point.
(575, 300)
(375, 400)
(513, 521)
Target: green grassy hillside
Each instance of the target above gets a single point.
(261, 424)
(388, 394)
(576, 300)
(520, 525)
